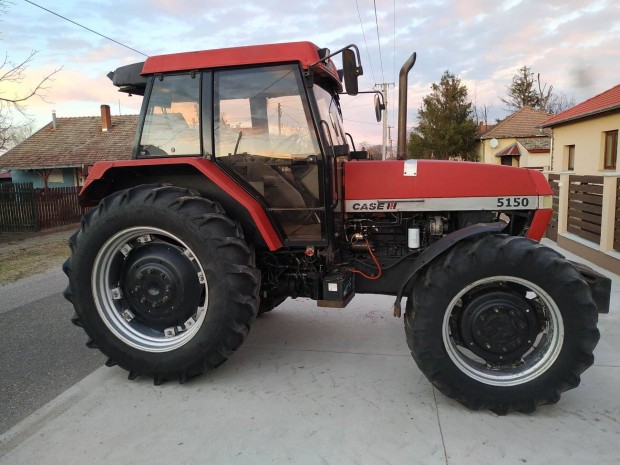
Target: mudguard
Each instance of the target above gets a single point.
(439, 247)
(102, 176)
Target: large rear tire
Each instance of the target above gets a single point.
(502, 323)
(162, 282)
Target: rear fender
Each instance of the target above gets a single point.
(195, 173)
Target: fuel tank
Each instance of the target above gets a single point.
(435, 185)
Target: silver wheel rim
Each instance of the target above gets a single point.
(541, 356)
(107, 293)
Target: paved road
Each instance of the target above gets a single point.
(41, 352)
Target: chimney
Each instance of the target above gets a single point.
(54, 124)
(106, 119)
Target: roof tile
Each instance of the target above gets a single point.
(605, 101)
(74, 142)
(522, 123)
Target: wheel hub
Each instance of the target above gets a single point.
(161, 285)
(499, 326)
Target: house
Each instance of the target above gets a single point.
(585, 174)
(518, 140)
(56, 155)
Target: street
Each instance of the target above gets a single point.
(41, 352)
(309, 386)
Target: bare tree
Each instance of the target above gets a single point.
(559, 103)
(13, 74)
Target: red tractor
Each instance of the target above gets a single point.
(244, 190)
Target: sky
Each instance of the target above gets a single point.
(573, 44)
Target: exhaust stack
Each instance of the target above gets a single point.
(402, 107)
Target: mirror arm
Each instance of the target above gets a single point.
(376, 92)
(353, 46)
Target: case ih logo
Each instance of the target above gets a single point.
(375, 206)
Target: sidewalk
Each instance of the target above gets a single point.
(319, 386)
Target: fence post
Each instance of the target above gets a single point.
(608, 219)
(564, 188)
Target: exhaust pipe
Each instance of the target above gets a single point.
(402, 107)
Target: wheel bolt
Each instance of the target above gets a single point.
(162, 276)
(136, 289)
(143, 300)
(488, 346)
(168, 288)
(139, 276)
(165, 299)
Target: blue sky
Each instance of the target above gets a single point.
(573, 44)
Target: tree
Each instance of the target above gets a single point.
(446, 127)
(13, 74)
(527, 90)
(522, 92)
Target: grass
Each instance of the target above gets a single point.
(32, 259)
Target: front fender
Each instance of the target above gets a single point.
(438, 248)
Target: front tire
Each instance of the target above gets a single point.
(502, 323)
(162, 282)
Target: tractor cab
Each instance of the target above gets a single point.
(274, 126)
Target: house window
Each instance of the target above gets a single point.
(571, 158)
(611, 149)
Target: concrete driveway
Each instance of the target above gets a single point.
(319, 386)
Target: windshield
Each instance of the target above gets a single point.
(329, 109)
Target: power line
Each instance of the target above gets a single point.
(379, 40)
(88, 29)
(366, 42)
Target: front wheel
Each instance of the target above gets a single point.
(502, 323)
(162, 282)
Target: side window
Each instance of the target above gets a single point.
(260, 111)
(172, 123)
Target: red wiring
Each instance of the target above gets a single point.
(376, 263)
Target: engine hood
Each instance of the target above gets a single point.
(427, 185)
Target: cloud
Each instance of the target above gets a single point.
(572, 43)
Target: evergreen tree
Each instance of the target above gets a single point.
(522, 92)
(446, 123)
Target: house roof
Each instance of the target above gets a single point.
(601, 103)
(522, 123)
(512, 151)
(74, 142)
(536, 144)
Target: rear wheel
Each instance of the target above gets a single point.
(502, 323)
(162, 282)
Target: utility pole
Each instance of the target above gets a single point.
(383, 88)
(391, 151)
(279, 119)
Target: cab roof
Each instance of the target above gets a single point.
(305, 53)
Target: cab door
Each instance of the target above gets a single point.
(264, 134)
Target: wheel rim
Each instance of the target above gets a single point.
(503, 331)
(149, 289)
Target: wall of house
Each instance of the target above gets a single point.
(588, 138)
(486, 154)
(58, 178)
(533, 160)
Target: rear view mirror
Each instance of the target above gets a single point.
(379, 107)
(351, 71)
